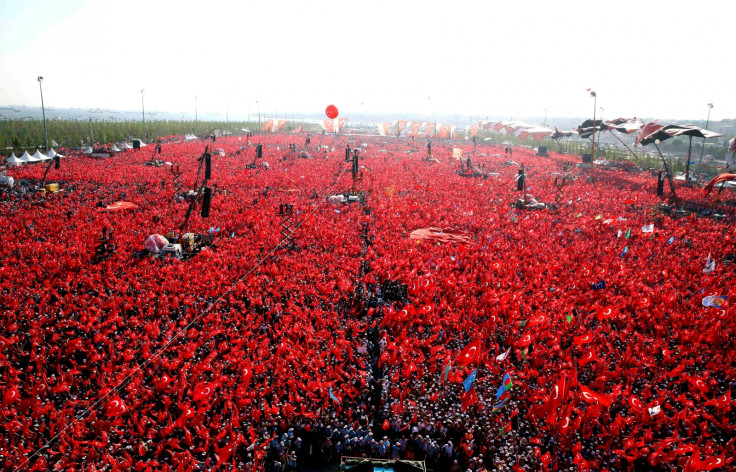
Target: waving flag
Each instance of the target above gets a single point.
(468, 383)
(506, 385)
(592, 397)
(332, 395)
(446, 371)
(469, 398)
(710, 265)
(715, 301)
(470, 354)
(502, 357)
(731, 152)
(599, 285)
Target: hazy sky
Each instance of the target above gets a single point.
(644, 58)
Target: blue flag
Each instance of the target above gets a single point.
(671, 240)
(600, 285)
(468, 383)
(626, 249)
(332, 395)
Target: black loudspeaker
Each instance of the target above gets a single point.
(259, 151)
(347, 154)
(542, 150)
(588, 158)
(136, 144)
(520, 183)
(57, 160)
(660, 184)
(207, 166)
(158, 148)
(206, 202)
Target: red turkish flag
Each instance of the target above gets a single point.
(592, 397)
(469, 398)
(11, 395)
(606, 313)
(116, 407)
(587, 358)
(203, 393)
(470, 354)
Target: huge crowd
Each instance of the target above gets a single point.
(353, 340)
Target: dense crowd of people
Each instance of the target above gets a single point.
(569, 336)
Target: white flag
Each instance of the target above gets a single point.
(710, 265)
(502, 357)
(731, 152)
(648, 228)
(655, 410)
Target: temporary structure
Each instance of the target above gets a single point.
(13, 160)
(53, 154)
(27, 157)
(39, 156)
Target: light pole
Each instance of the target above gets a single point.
(259, 113)
(595, 102)
(43, 111)
(707, 122)
(143, 106)
(227, 115)
(196, 116)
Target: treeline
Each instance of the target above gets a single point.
(20, 135)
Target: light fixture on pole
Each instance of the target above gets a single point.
(43, 111)
(595, 102)
(707, 122)
(143, 106)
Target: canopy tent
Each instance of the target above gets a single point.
(53, 154)
(125, 146)
(27, 157)
(13, 160)
(41, 157)
(115, 148)
(88, 150)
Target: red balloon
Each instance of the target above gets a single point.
(332, 112)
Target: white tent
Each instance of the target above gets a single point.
(13, 160)
(39, 156)
(115, 148)
(53, 153)
(27, 157)
(88, 150)
(125, 146)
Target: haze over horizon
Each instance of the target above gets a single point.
(468, 58)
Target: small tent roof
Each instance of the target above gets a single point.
(12, 160)
(40, 156)
(27, 157)
(53, 153)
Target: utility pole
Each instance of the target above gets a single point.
(43, 111)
